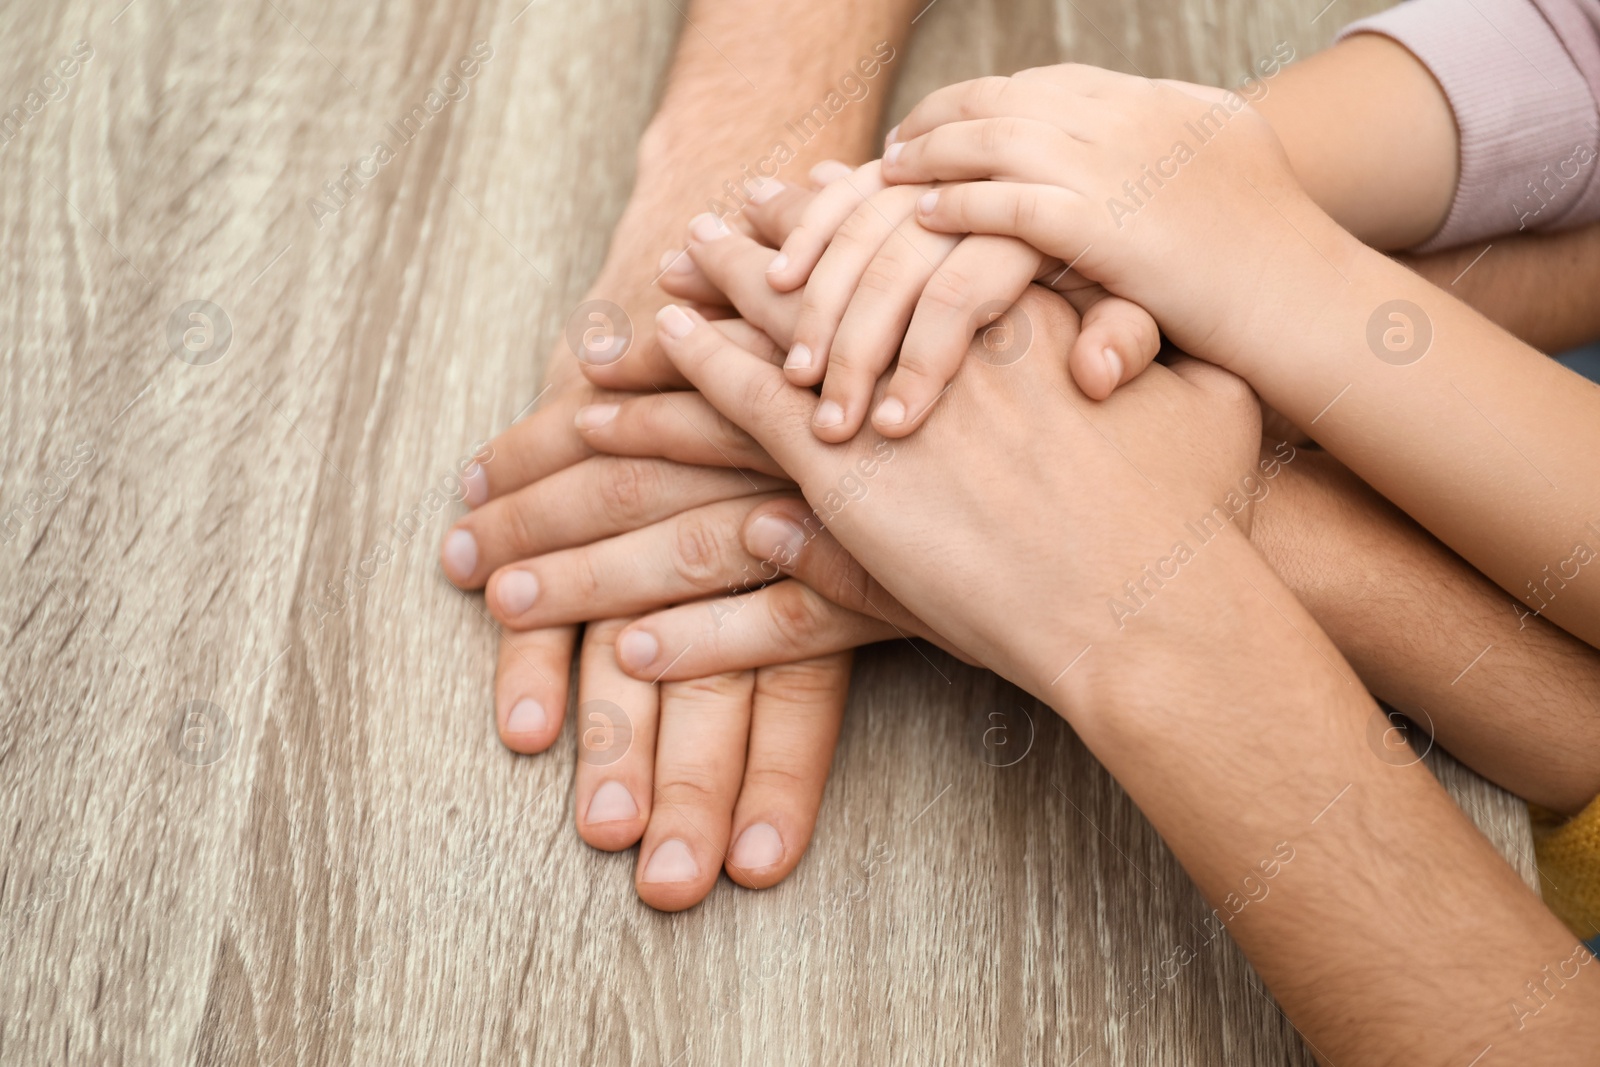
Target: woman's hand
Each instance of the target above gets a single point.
(1084, 511)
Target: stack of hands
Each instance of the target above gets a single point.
(753, 492)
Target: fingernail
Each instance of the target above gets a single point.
(927, 202)
(637, 649)
(516, 591)
(460, 555)
(766, 189)
(799, 358)
(594, 416)
(673, 322)
(775, 539)
(527, 717)
(890, 413)
(892, 153)
(671, 862)
(676, 262)
(779, 262)
(1113, 364)
(828, 414)
(759, 846)
(707, 227)
(611, 803)
(892, 136)
(830, 170)
(477, 484)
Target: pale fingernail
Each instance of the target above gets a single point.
(611, 803)
(799, 358)
(927, 202)
(892, 153)
(828, 414)
(477, 484)
(766, 189)
(830, 170)
(890, 413)
(594, 416)
(673, 322)
(676, 262)
(460, 554)
(893, 135)
(779, 262)
(707, 227)
(1113, 364)
(671, 862)
(775, 539)
(527, 717)
(637, 649)
(516, 591)
(758, 847)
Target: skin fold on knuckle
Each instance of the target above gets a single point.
(628, 487)
(701, 550)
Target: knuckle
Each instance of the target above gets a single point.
(775, 778)
(692, 788)
(986, 92)
(628, 488)
(947, 291)
(1026, 209)
(710, 693)
(883, 277)
(797, 614)
(604, 633)
(699, 551)
(764, 391)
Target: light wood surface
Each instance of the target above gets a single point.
(358, 872)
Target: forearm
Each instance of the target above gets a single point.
(754, 92)
(1538, 286)
(1482, 440)
(1372, 139)
(1356, 887)
(1513, 696)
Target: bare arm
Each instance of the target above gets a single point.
(755, 91)
(1372, 139)
(1513, 696)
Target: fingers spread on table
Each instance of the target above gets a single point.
(616, 733)
(776, 624)
(687, 556)
(599, 497)
(683, 427)
(530, 686)
(700, 755)
(795, 715)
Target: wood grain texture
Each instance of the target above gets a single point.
(362, 874)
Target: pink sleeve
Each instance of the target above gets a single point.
(1523, 77)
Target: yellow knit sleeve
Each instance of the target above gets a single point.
(1568, 851)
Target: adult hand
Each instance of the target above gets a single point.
(1063, 500)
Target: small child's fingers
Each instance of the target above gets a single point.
(734, 264)
(1118, 341)
(1007, 149)
(1052, 218)
(680, 276)
(804, 245)
(1034, 94)
(971, 292)
(682, 427)
(873, 325)
(837, 275)
(775, 209)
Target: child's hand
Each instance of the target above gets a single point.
(1177, 197)
(876, 276)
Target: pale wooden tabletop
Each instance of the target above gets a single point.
(349, 868)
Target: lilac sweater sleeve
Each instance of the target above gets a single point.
(1523, 77)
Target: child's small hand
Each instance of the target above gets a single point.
(873, 276)
(1177, 197)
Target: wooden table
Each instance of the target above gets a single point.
(346, 866)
